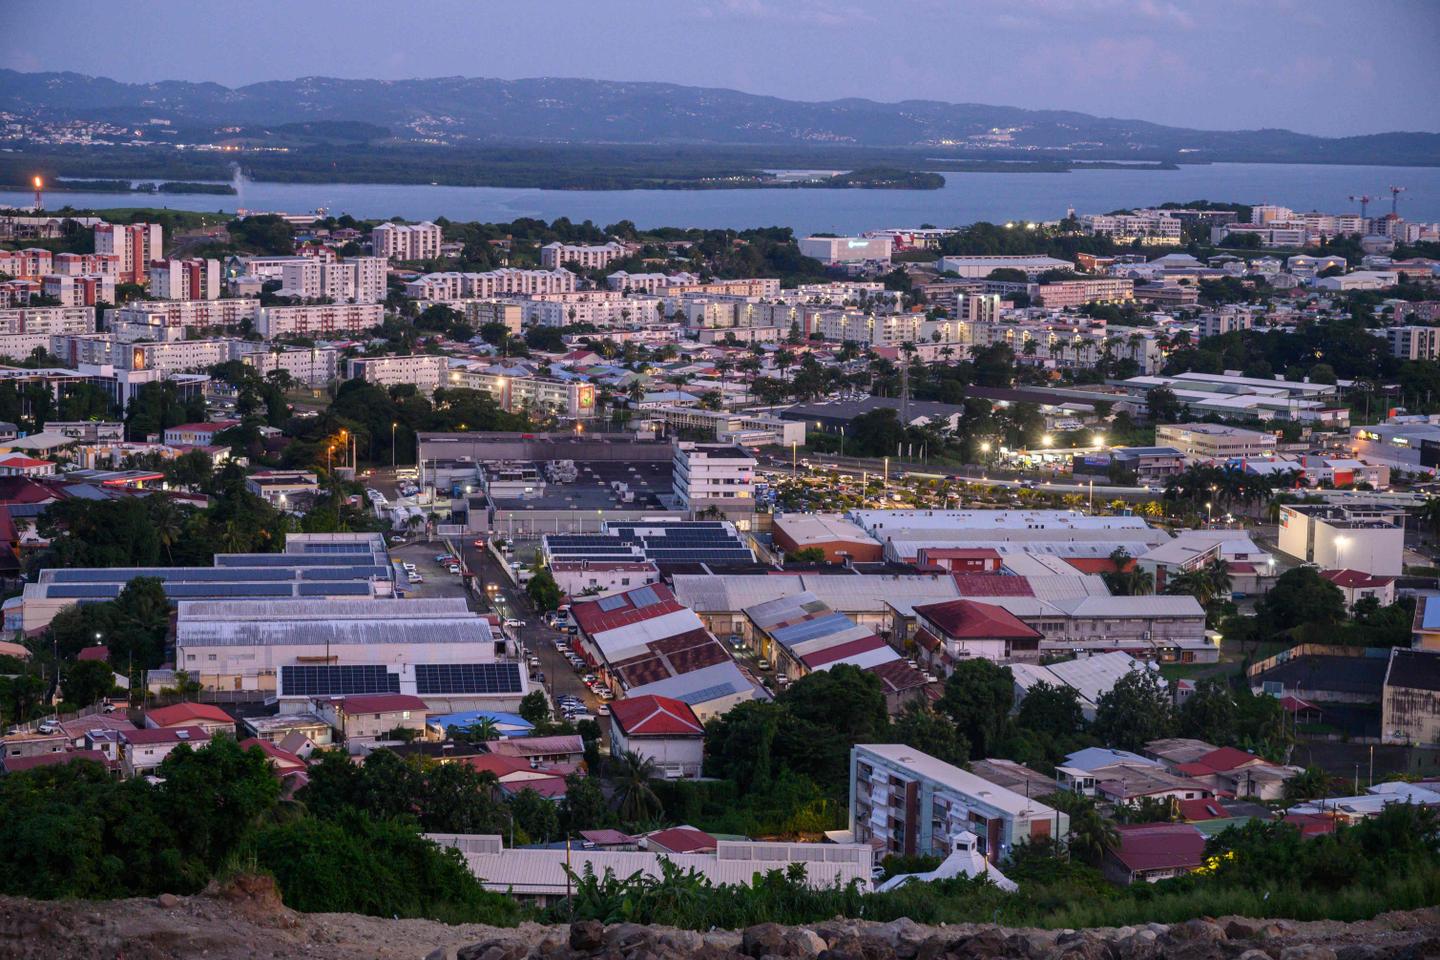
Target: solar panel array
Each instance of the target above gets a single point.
(704, 541)
(450, 678)
(614, 602)
(352, 546)
(328, 680)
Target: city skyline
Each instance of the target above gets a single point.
(1329, 69)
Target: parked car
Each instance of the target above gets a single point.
(514, 624)
(763, 664)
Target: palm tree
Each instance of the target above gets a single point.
(636, 798)
(1127, 579)
(483, 730)
(1091, 836)
(166, 519)
(1217, 576)
(1192, 583)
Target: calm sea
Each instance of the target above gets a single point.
(966, 197)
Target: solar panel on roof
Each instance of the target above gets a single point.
(329, 680)
(334, 590)
(644, 597)
(611, 603)
(447, 678)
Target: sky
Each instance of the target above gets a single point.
(1331, 67)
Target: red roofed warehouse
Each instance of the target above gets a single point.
(661, 729)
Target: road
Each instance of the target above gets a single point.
(538, 639)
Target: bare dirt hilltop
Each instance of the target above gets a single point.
(245, 921)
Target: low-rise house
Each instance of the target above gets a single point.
(516, 774)
(1149, 852)
(141, 751)
(206, 716)
(684, 839)
(560, 749)
(281, 761)
(1226, 770)
(282, 726)
(957, 630)
(1119, 776)
(661, 729)
(1357, 585)
(21, 764)
(370, 716)
(284, 489)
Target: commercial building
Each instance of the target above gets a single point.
(320, 320)
(840, 540)
(194, 279)
(714, 475)
(555, 255)
(425, 371)
(906, 802)
(1355, 536)
(980, 267)
(746, 429)
(135, 244)
(406, 241)
(305, 652)
(834, 250)
(1215, 441)
(545, 876)
(643, 641)
(1057, 532)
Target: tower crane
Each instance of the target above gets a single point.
(1364, 200)
(1395, 199)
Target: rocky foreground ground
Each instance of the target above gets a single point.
(246, 920)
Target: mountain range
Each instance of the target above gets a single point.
(461, 110)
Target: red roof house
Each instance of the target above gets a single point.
(1154, 851)
(282, 761)
(679, 840)
(661, 729)
(207, 716)
(97, 652)
(961, 629)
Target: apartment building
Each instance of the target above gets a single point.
(1412, 343)
(600, 312)
(1222, 322)
(168, 319)
(587, 256)
(1215, 441)
(1271, 234)
(80, 264)
(508, 281)
(755, 287)
(273, 267)
(134, 244)
(319, 320)
(1075, 293)
(353, 280)
(46, 320)
(909, 803)
(84, 291)
(31, 263)
(890, 330)
(647, 282)
(406, 241)
(478, 313)
(312, 366)
(831, 250)
(194, 279)
(567, 399)
(425, 371)
(978, 307)
(1150, 228)
(713, 475)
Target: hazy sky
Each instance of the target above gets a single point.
(1319, 66)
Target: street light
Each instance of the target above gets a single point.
(393, 425)
(1209, 512)
(1047, 441)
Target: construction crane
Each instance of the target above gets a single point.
(1364, 201)
(1395, 199)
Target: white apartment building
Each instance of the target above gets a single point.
(353, 280)
(312, 366)
(406, 241)
(713, 475)
(980, 267)
(32, 263)
(887, 330)
(425, 371)
(320, 320)
(273, 267)
(1222, 322)
(85, 291)
(477, 313)
(135, 244)
(555, 255)
(1263, 213)
(46, 320)
(568, 399)
(978, 307)
(647, 282)
(167, 319)
(194, 279)
(1152, 228)
(1278, 233)
(754, 287)
(847, 249)
(508, 281)
(1412, 343)
(601, 313)
(1215, 441)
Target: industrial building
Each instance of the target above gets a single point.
(1354, 536)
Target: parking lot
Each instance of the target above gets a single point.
(436, 581)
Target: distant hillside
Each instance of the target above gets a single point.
(464, 110)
